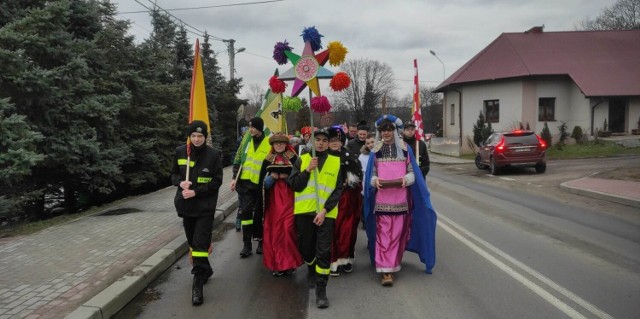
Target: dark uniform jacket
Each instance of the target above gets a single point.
(424, 155)
(205, 176)
(355, 145)
(298, 180)
(349, 163)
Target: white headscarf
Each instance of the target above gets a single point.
(400, 145)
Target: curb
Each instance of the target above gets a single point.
(115, 297)
(600, 195)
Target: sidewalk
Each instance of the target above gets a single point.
(93, 266)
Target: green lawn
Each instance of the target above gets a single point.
(584, 150)
(590, 149)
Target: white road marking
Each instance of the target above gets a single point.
(568, 310)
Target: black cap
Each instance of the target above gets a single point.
(257, 123)
(198, 126)
(336, 131)
(322, 131)
(408, 124)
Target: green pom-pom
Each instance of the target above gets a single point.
(291, 104)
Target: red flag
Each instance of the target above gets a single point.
(416, 113)
(198, 101)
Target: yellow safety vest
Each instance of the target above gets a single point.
(253, 162)
(305, 201)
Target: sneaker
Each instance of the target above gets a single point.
(387, 280)
(290, 272)
(277, 273)
(347, 268)
(259, 249)
(334, 273)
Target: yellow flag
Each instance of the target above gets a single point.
(198, 101)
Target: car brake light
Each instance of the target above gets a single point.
(500, 145)
(543, 144)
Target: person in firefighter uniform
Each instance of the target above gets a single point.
(249, 187)
(316, 197)
(196, 199)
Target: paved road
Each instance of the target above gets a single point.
(96, 264)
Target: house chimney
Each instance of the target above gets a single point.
(537, 29)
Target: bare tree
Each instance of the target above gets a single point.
(622, 15)
(370, 80)
(255, 97)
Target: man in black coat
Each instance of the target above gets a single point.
(409, 137)
(354, 145)
(196, 199)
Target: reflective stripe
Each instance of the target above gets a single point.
(200, 253)
(203, 180)
(311, 263)
(253, 162)
(247, 222)
(183, 162)
(305, 201)
(322, 271)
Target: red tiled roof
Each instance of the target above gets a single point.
(601, 63)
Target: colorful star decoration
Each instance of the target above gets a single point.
(307, 69)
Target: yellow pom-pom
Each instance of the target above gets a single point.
(337, 52)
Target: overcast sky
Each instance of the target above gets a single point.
(391, 31)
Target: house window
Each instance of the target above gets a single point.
(547, 109)
(452, 118)
(492, 111)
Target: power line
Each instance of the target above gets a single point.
(207, 7)
(200, 34)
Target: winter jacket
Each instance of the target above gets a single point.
(205, 175)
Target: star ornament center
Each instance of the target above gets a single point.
(306, 68)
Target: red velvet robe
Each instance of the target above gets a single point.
(280, 249)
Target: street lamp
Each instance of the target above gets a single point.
(443, 68)
(232, 56)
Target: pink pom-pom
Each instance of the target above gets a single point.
(340, 81)
(277, 85)
(320, 104)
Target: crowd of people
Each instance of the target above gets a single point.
(303, 203)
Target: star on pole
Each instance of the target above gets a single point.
(307, 69)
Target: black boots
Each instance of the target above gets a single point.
(196, 292)
(321, 297)
(247, 250)
(259, 249)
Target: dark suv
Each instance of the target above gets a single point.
(517, 148)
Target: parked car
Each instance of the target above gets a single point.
(515, 148)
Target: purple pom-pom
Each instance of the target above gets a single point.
(312, 35)
(278, 52)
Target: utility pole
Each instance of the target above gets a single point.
(232, 56)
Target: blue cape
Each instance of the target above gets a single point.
(423, 219)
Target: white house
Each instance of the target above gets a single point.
(580, 78)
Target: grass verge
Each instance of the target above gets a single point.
(590, 149)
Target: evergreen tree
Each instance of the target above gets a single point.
(546, 134)
(481, 130)
(18, 155)
(214, 84)
(49, 74)
(184, 56)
